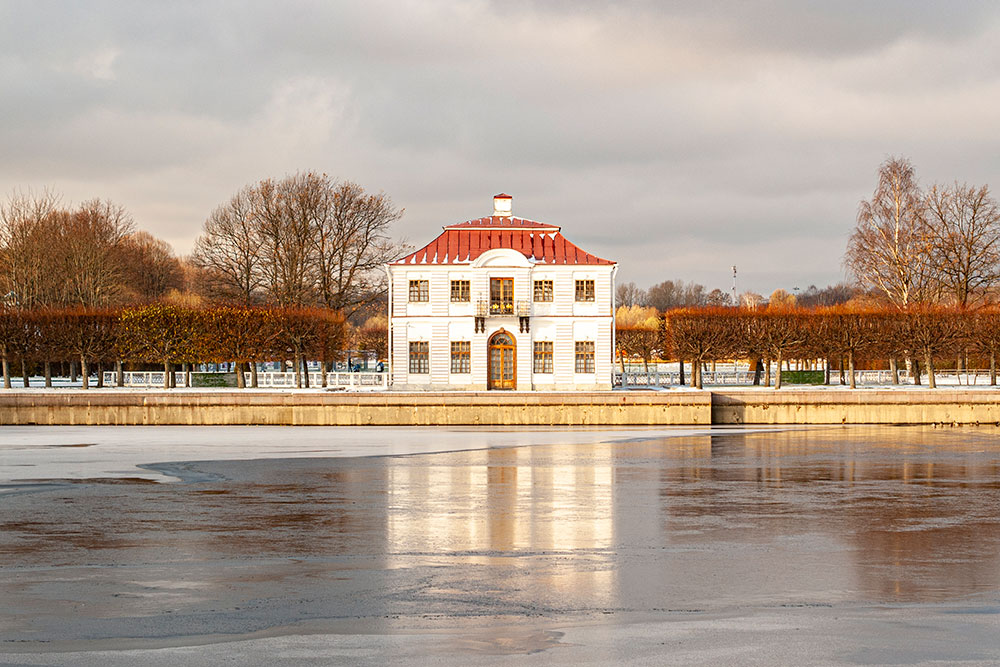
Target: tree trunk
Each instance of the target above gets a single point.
(6, 371)
(241, 380)
(100, 375)
(680, 378)
(767, 371)
(25, 380)
(166, 375)
(826, 371)
(72, 371)
(305, 372)
(253, 374)
(958, 370)
(696, 373)
(48, 374)
(119, 373)
(850, 369)
(840, 370)
(84, 372)
(930, 371)
(324, 381)
(756, 372)
(993, 368)
(893, 371)
(777, 373)
(914, 367)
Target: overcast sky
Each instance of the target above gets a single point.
(675, 138)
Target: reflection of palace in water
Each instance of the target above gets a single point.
(493, 503)
(886, 514)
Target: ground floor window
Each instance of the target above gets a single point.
(461, 356)
(585, 356)
(419, 357)
(543, 357)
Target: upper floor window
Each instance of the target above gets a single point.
(584, 290)
(461, 356)
(543, 291)
(420, 291)
(460, 291)
(419, 357)
(501, 296)
(585, 356)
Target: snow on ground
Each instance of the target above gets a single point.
(84, 452)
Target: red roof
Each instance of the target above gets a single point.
(464, 242)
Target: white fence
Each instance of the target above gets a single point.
(336, 380)
(732, 377)
(356, 380)
(143, 378)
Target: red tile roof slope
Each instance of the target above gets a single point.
(463, 243)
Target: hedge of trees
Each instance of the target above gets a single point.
(920, 337)
(166, 336)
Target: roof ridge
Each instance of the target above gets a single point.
(464, 244)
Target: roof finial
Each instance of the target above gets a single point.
(501, 205)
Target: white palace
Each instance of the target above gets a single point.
(501, 303)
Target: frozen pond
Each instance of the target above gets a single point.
(318, 546)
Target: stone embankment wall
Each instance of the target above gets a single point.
(343, 409)
(863, 406)
(499, 408)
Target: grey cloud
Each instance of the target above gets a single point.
(677, 138)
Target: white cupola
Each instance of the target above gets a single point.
(501, 205)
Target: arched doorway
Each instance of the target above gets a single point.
(503, 365)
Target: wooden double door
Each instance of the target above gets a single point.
(503, 361)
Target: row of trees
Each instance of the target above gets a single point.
(305, 240)
(168, 335)
(920, 336)
(301, 241)
(915, 246)
(672, 294)
(90, 255)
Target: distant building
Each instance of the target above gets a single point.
(501, 303)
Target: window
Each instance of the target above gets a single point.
(501, 296)
(460, 291)
(584, 290)
(460, 357)
(585, 356)
(419, 353)
(419, 291)
(543, 291)
(543, 357)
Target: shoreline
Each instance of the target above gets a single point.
(707, 407)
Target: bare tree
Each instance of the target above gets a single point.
(29, 260)
(285, 213)
(149, 268)
(889, 249)
(629, 294)
(352, 245)
(91, 246)
(719, 298)
(229, 251)
(964, 223)
(303, 240)
(676, 294)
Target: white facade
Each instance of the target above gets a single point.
(559, 316)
